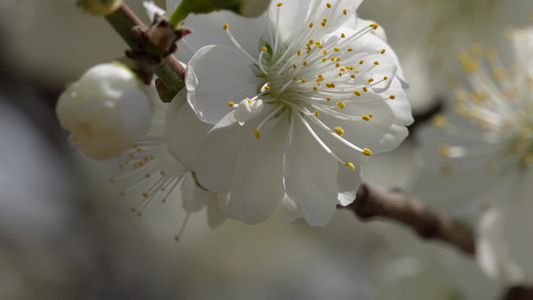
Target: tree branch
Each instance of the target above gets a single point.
(170, 71)
(399, 206)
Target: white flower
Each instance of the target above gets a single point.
(151, 173)
(106, 111)
(297, 110)
(486, 151)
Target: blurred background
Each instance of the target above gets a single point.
(66, 234)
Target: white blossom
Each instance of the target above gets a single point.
(106, 111)
(296, 110)
(486, 156)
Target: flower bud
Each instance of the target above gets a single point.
(106, 111)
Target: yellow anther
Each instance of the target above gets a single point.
(364, 89)
(491, 55)
(353, 76)
(374, 26)
(315, 88)
(311, 25)
(324, 59)
(122, 193)
(341, 105)
(312, 41)
(439, 121)
(343, 35)
(349, 164)
(339, 130)
(226, 26)
(305, 63)
(328, 98)
(349, 49)
(337, 65)
(371, 80)
(382, 51)
(392, 97)
(325, 20)
(267, 88)
(338, 59)
(231, 104)
(280, 4)
(323, 24)
(366, 118)
(294, 78)
(361, 62)
(316, 113)
(112, 180)
(370, 115)
(336, 49)
(357, 93)
(299, 52)
(328, 5)
(257, 134)
(264, 49)
(445, 170)
(333, 58)
(376, 62)
(325, 52)
(303, 80)
(344, 11)
(367, 152)
(249, 100)
(445, 150)
(342, 70)
(320, 76)
(294, 66)
(385, 78)
(340, 74)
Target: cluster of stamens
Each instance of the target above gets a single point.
(500, 104)
(311, 78)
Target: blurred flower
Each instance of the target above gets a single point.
(488, 158)
(428, 34)
(153, 174)
(288, 118)
(106, 111)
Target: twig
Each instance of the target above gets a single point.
(170, 71)
(399, 206)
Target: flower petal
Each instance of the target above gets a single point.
(217, 75)
(184, 132)
(220, 150)
(257, 187)
(310, 175)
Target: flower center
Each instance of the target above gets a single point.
(315, 71)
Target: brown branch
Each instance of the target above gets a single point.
(519, 293)
(399, 206)
(170, 71)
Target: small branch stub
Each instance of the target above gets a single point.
(100, 7)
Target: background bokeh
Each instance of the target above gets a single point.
(66, 234)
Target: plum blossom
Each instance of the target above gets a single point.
(296, 109)
(486, 156)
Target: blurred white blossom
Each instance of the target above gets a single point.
(486, 154)
(106, 111)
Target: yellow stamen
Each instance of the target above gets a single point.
(367, 152)
(439, 121)
(349, 164)
(280, 4)
(366, 118)
(264, 49)
(257, 134)
(339, 130)
(358, 93)
(226, 26)
(231, 104)
(341, 105)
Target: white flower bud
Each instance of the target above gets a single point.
(106, 111)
